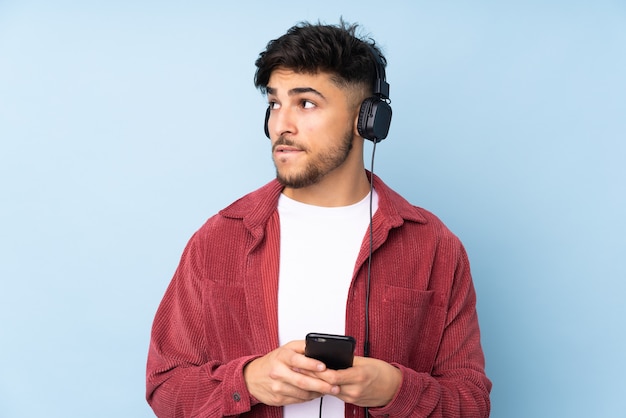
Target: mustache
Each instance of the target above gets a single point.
(282, 140)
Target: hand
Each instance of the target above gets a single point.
(286, 376)
(368, 383)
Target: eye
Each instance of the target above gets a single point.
(307, 104)
(273, 105)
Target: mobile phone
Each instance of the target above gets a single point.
(335, 351)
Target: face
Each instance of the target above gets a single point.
(311, 124)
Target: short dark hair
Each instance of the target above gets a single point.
(312, 48)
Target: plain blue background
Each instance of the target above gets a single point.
(124, 125)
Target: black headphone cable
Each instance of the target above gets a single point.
(366, 344)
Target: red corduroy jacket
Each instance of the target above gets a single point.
(219, 313)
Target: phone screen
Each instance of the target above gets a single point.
(335, 351)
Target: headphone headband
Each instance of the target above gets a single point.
(381, 87)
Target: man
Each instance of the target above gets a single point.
(304, 254)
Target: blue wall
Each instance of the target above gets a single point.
(124, 125)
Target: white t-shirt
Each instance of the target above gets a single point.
(318, 251)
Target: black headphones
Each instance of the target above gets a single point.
(375, 113)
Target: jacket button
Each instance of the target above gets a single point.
(236, 396)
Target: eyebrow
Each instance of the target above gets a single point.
(296, 90)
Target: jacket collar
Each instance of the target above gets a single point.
(256, 207)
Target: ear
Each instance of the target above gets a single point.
(355, 125)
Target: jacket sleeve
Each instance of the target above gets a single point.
(457, 385)
(183, 379)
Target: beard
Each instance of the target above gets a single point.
(318, 166)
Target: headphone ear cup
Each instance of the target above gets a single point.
(364, 113)
(374, 119)
(267, 118)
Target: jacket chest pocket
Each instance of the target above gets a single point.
(413, 322)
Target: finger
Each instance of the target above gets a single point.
(311, 383)
(291, 393)
(294, 357)
(288, 395)
(307, 365)
(296, 345)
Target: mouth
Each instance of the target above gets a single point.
(285, 149)
(286, 154)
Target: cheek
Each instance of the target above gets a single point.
(327, 128)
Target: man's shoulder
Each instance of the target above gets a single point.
(265, 196)
(399, 208)
(253, 208)
(407, 213)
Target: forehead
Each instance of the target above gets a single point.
(282, 78)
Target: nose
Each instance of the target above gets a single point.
(281, 121)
